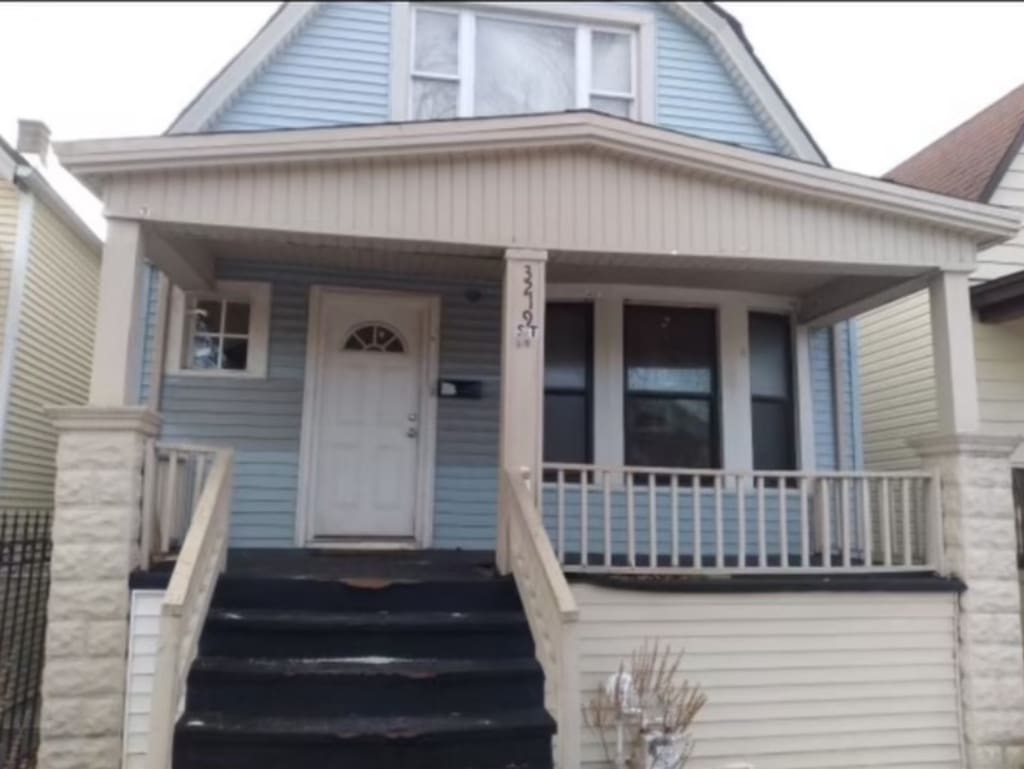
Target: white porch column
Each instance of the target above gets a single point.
(522, 373)
(980, 538)
(953, 342)
(95, 548)
(116, 356)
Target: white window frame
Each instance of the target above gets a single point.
(179, 332)
(735, 412)
(639, 25)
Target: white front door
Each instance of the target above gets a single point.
(365, 452)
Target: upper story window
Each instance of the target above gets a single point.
(468, 63)
(222, 332)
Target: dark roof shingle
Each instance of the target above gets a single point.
(969, 161)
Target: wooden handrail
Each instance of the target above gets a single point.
(551, 611)
(186, 603)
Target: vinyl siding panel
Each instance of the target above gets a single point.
(143, 639)
(53, 360)
(794, 680)
(336, 71)
(262, 419)
(999, 350)
(897, 378)
(9, 204)
(1005, 259)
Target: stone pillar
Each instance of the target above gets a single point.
(980, 548)
(95, 547)
(522, 372)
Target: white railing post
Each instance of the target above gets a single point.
(936, 545)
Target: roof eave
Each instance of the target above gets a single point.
(92, 161)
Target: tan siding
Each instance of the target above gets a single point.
(573, 200)
(9, 202)
(1007, 258)
(999, 348)
(897, 380)
(53, 356)
(794, 681)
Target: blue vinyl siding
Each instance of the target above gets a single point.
(262, 419)
(336, 71)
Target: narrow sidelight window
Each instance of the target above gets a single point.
(568, 383)
(771, 389)
(671, 388)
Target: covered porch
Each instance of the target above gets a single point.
(581, 343)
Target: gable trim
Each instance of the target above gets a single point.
(1004, 165)
(753, 80)
(219, 92)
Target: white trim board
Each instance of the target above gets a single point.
(428, 423)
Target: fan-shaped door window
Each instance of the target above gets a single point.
(374, 337)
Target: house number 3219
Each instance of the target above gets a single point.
(526, 330)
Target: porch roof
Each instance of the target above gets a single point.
(580, 184)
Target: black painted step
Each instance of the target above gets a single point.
(363, 687)
(362, 595)
(510, 740)
(276, 633)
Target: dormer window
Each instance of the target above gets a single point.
(473, 63)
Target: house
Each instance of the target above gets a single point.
(980, 160)
(49, 286)
(461, 348)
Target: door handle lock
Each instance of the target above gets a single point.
(412, 432)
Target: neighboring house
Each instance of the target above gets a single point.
(980, 160)
(49, 286)
(557, 288)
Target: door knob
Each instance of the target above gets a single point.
(412, 432)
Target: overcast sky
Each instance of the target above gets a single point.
(874, 82)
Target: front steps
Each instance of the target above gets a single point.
(320, 671)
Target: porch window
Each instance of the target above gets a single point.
(671, 390)
(470, 64)
(220, 333)
(568, 383)
(771, 389)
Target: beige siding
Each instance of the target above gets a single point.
(999, 348)
(897, 380)
(9, 202)
(573, 200)
(794, 680)
(1009, 257)
(53, 357)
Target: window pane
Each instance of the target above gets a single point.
(770, 364)
(670, 350)
(669, 432)
(566, 424)
(237, 321)
(773, 436)
(567, 346)
(611, 62)
(208, 316)
(205, 352)
(434, 99)
(437, 43)
(236, 354)
(617, 107)
(523, 67)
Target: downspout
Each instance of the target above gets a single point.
(15, 300)
(156, 372)
(856, 438)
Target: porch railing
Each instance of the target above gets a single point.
(550, 609)
(655, 519)
(174, 476)
(200, 561)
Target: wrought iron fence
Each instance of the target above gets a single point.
(24, 584)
